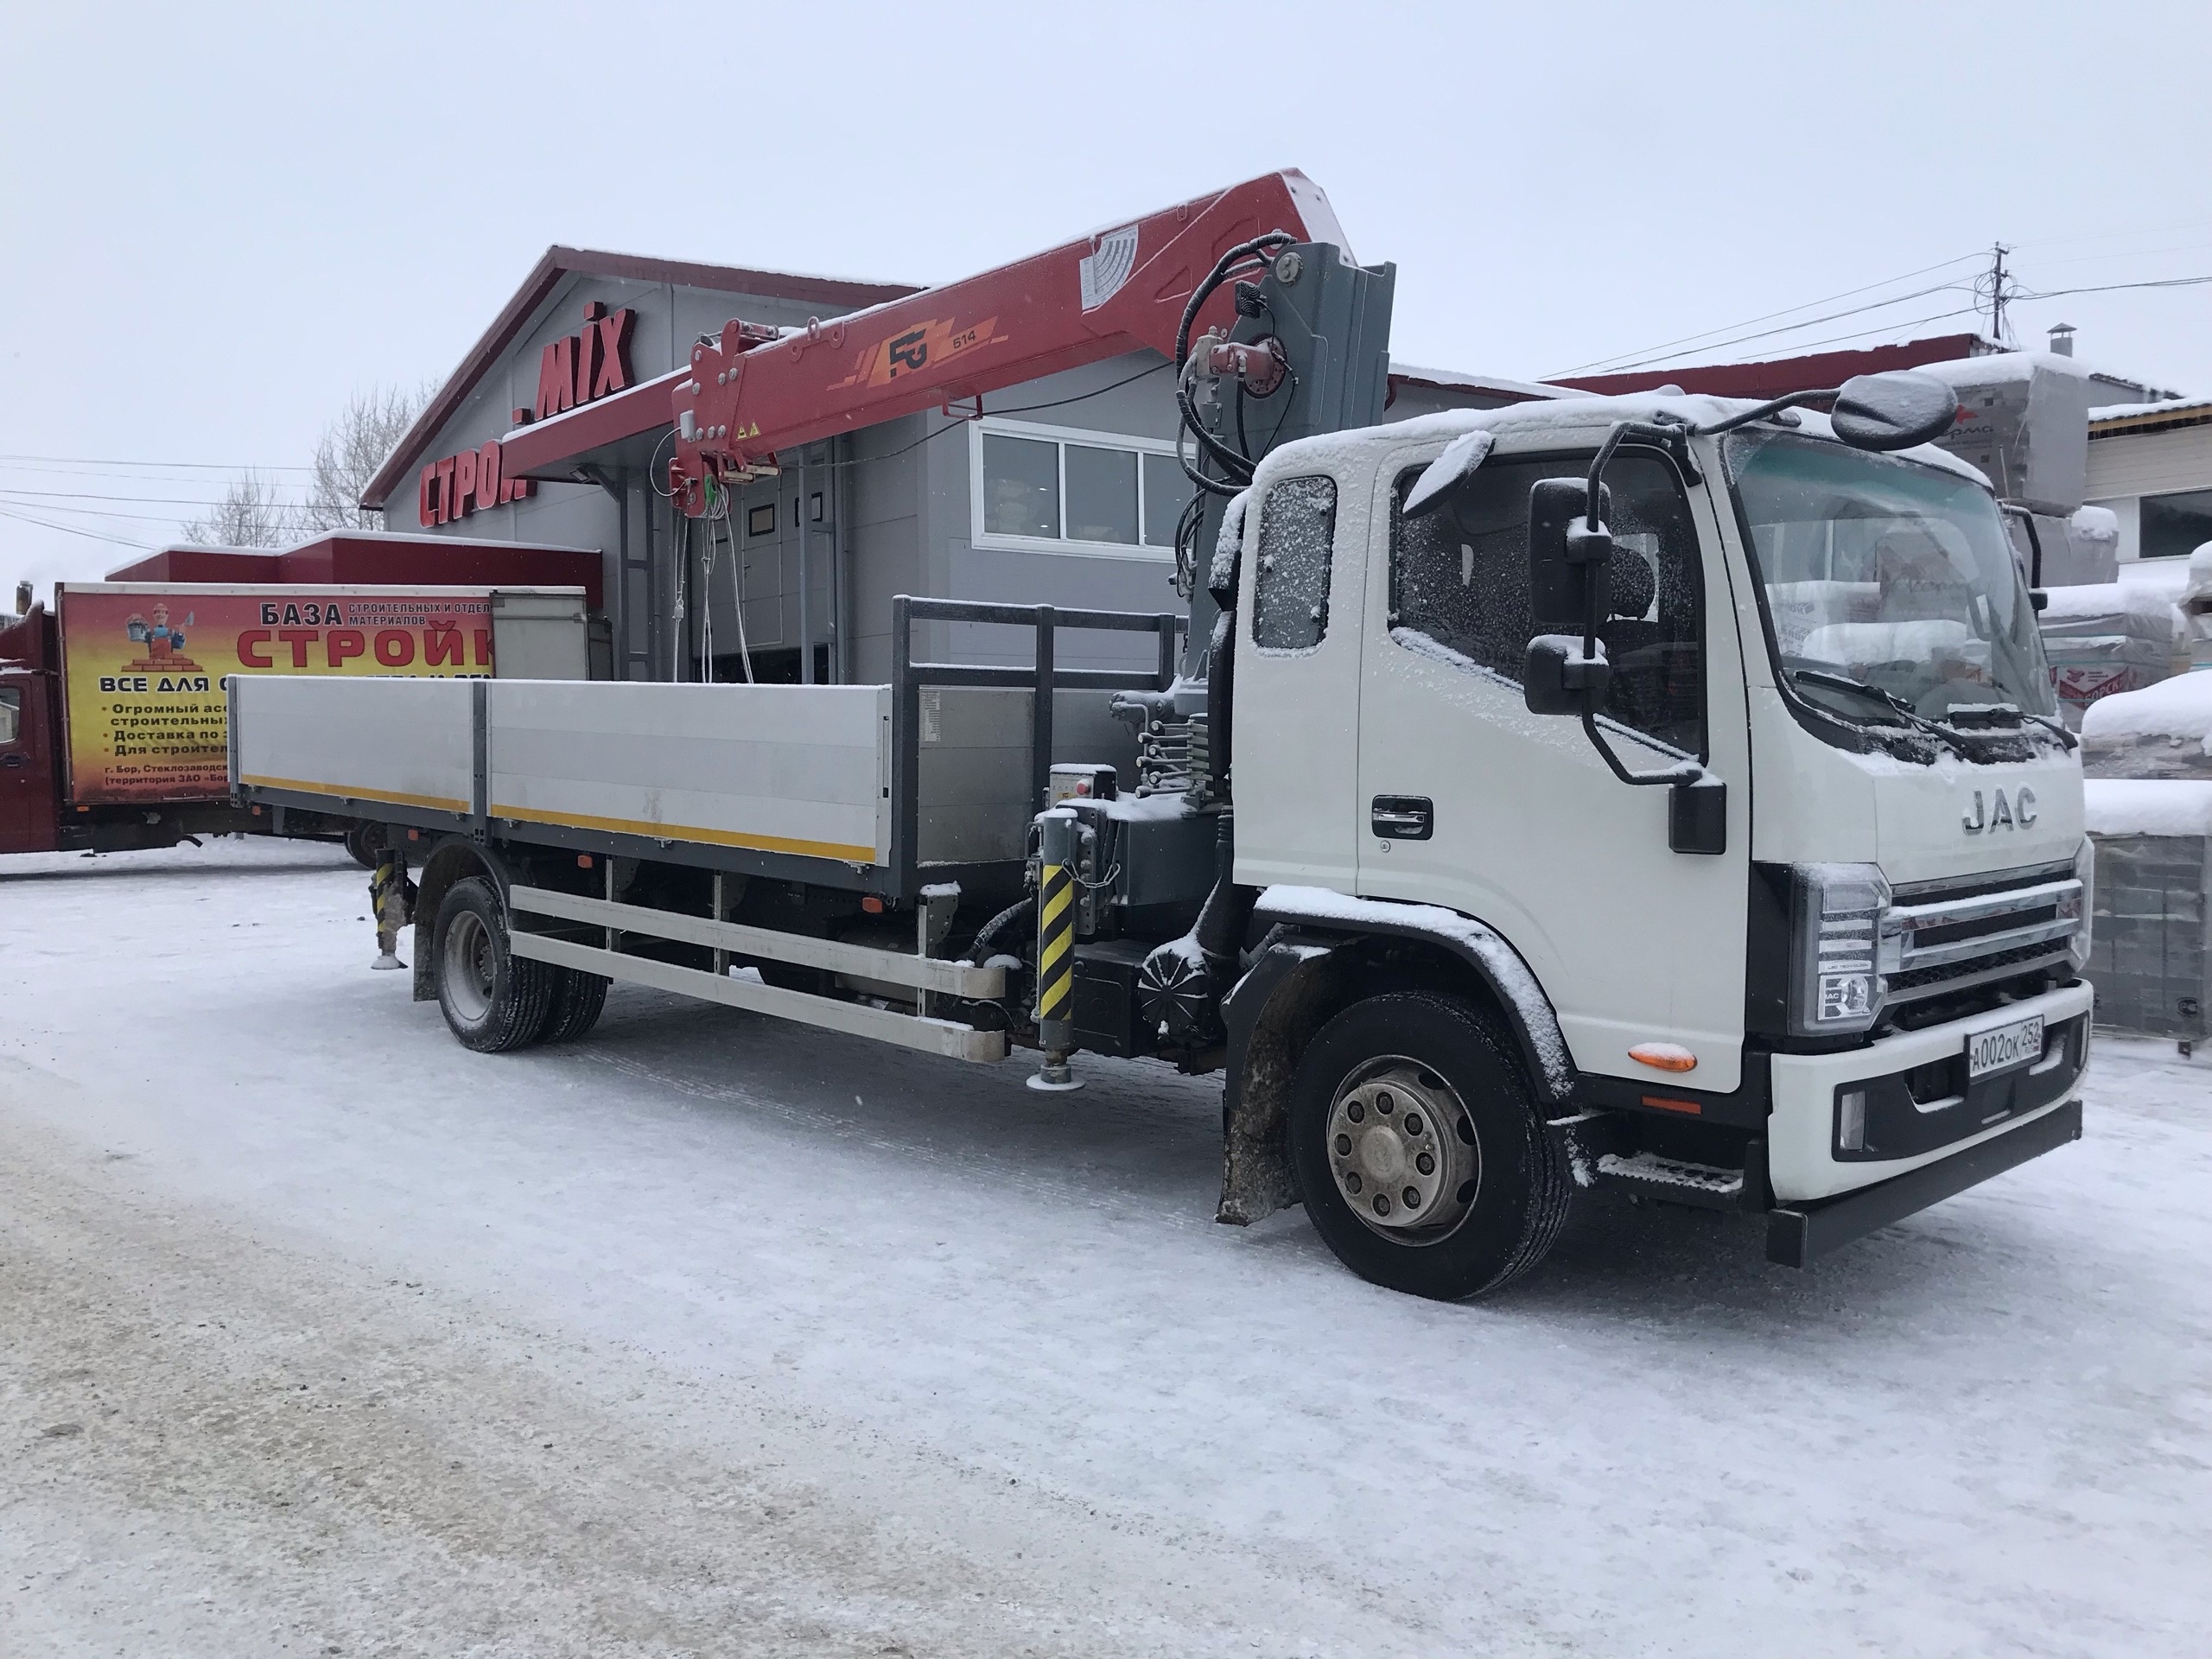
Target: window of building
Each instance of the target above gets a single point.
(1459, 587)
(1053, 489)
(1298, 539)
(11, 715)
(761, 520)
(2175, 526)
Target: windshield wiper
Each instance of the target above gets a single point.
(1889, 700)
(2019, 716)
(2056, 727)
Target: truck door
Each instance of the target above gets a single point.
(28, 805)
(1295, 764)
(1472, 803)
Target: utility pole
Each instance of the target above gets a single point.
(1997, 293)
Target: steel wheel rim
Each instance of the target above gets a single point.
(1402, 1152)
(470, 967)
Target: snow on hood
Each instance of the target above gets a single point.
(1577, 416)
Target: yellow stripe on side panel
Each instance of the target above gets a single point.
(354, 793)
(844, 852)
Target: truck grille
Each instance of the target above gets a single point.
(1942, 937)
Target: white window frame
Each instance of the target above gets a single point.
(993, 425)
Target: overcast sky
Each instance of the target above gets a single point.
(221, 221)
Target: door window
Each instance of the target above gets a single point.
(1459, 587)
(11, 715)
(1290, 590)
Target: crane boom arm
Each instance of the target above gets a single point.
(751, 393)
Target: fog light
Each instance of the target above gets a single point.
(1851, 1120)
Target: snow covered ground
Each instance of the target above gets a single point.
(319, 1334)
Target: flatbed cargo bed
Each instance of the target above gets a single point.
(933, 777)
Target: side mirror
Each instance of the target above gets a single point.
(1556, 678)
(1562, 550)
(1893, 411)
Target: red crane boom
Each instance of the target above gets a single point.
(751, 393)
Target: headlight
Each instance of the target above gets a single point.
(2085, 870)
(1835, 974)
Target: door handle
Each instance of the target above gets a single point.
(1402, 817)
(15, 762)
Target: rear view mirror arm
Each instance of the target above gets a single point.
(1682, 771)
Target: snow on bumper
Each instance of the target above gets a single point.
(1806, 1160)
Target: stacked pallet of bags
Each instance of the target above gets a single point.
(2147, 755)
(2110, 638)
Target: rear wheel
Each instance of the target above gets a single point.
(492, 1000)
(1423, 1160)
(577, 1001)
(364, 842)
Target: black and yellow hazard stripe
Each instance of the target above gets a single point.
(1055, 942)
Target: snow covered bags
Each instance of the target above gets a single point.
(2107, 638)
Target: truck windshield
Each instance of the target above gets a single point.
(1891, 585)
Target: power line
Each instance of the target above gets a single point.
(2113, 288)
(1848, 293)
(71, 530)
(132, 500)
(187, 466)
(92, 512)
(1834, 316)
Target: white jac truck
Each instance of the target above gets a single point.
(1718, 844)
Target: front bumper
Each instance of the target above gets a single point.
(1805, 1160)
(1797, 1233)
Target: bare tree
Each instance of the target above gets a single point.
(248, 515)
(352, 448)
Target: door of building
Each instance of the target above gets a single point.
(1470, 801)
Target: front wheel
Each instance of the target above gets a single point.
(492, 1000)
(1423, 1160)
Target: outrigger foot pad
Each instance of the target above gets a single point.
(1054, 1078)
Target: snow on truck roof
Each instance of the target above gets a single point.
(1570, 419)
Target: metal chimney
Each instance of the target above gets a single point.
(2062, 339)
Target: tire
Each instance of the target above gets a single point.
(574, 1007)
(1496, 1185)
(493, 1000)
(363, 844)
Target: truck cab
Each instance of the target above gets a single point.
(1837, 945)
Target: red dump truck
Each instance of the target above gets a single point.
(113, 728)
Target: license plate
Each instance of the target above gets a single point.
(2002, 1047)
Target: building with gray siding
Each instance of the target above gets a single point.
(556, 429)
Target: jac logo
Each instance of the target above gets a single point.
(2018, 813)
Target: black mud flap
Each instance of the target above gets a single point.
(1796, 1234)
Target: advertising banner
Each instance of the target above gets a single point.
(144, 668)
